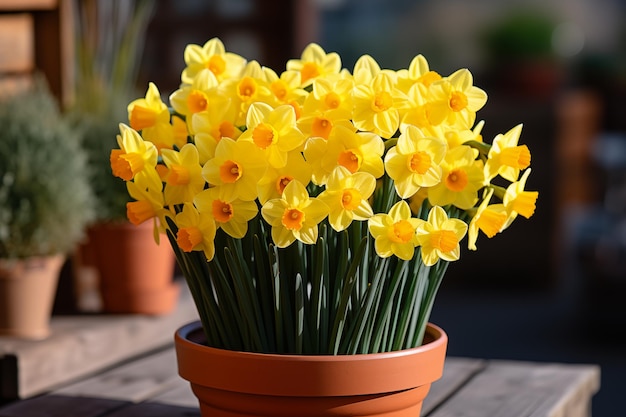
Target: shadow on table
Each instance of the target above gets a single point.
(70, 406)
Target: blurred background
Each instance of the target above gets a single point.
(552, 287)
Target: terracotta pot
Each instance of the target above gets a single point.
(27, 290)
(229, 383)
(135, 274)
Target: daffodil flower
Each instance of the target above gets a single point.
(418, 72)
(294, 216)
(346, 196)
(251, 86)
(314, 62)
(518, 201)
(230, 215)
(236, 168)
(506, 157)
(134, 154)
(439, 237)
(196, 231)
(285, 88)
(488, 218)
(357, 151)
(210, 126)
(415, 161)
(149, 113)
(151, 116)
(420, 110)
(194, 98)
(274, 181)
(376, 106)
(211, 56)
(394, 233)
(184, 175)
(147, 191)
(462, 177)
(273, 131)
(461, 96)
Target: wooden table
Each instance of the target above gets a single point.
(84, 370)
(150, 386)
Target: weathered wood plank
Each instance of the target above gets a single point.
(114, 390)
(456, 372)
(62, 406)
(509, 388)
(134, 381)
(82, 345)
(151, 409)
(179, 394)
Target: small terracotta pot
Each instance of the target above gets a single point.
(232, 384)
(135, 273)
(27, 290)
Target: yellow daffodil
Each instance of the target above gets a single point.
(420, 110)
(236, 168)
(147, 191)
(346, 196)
(184, 175)
(286, 87)
(230, 215)
(151, 116)
(294, 216)
(196, 231)
(462, 177)
(506, 157)
(273, 183)
(314, 62)
(439, 237)
(210, 126)
(134, 154)
(365, 69)
(376, 106)
(194, 98)
(518, 201)
(415, 161)
(251, 87)
(357, 151)
(458, 137)
(488, 218)
(212, 57)
(461, 96)
(273, 131)
(321, 124)
(148, 112)
(394, 233)
(418, 72)
(330, 94)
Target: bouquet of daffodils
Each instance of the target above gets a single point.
(314, 211)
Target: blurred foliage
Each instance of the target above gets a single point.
(520, 36)
(109, 38)
(46, 197)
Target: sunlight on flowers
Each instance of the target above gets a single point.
(314, 208)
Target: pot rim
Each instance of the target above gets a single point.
(290, 374)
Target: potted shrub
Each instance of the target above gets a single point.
(46, 205)
(134, 274)
(314, 214)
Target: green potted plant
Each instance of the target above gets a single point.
(109, 36)
(314, 214)
(46, 205)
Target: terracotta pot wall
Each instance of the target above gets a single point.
(135, 273)
(27, 289)
(232, 384)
